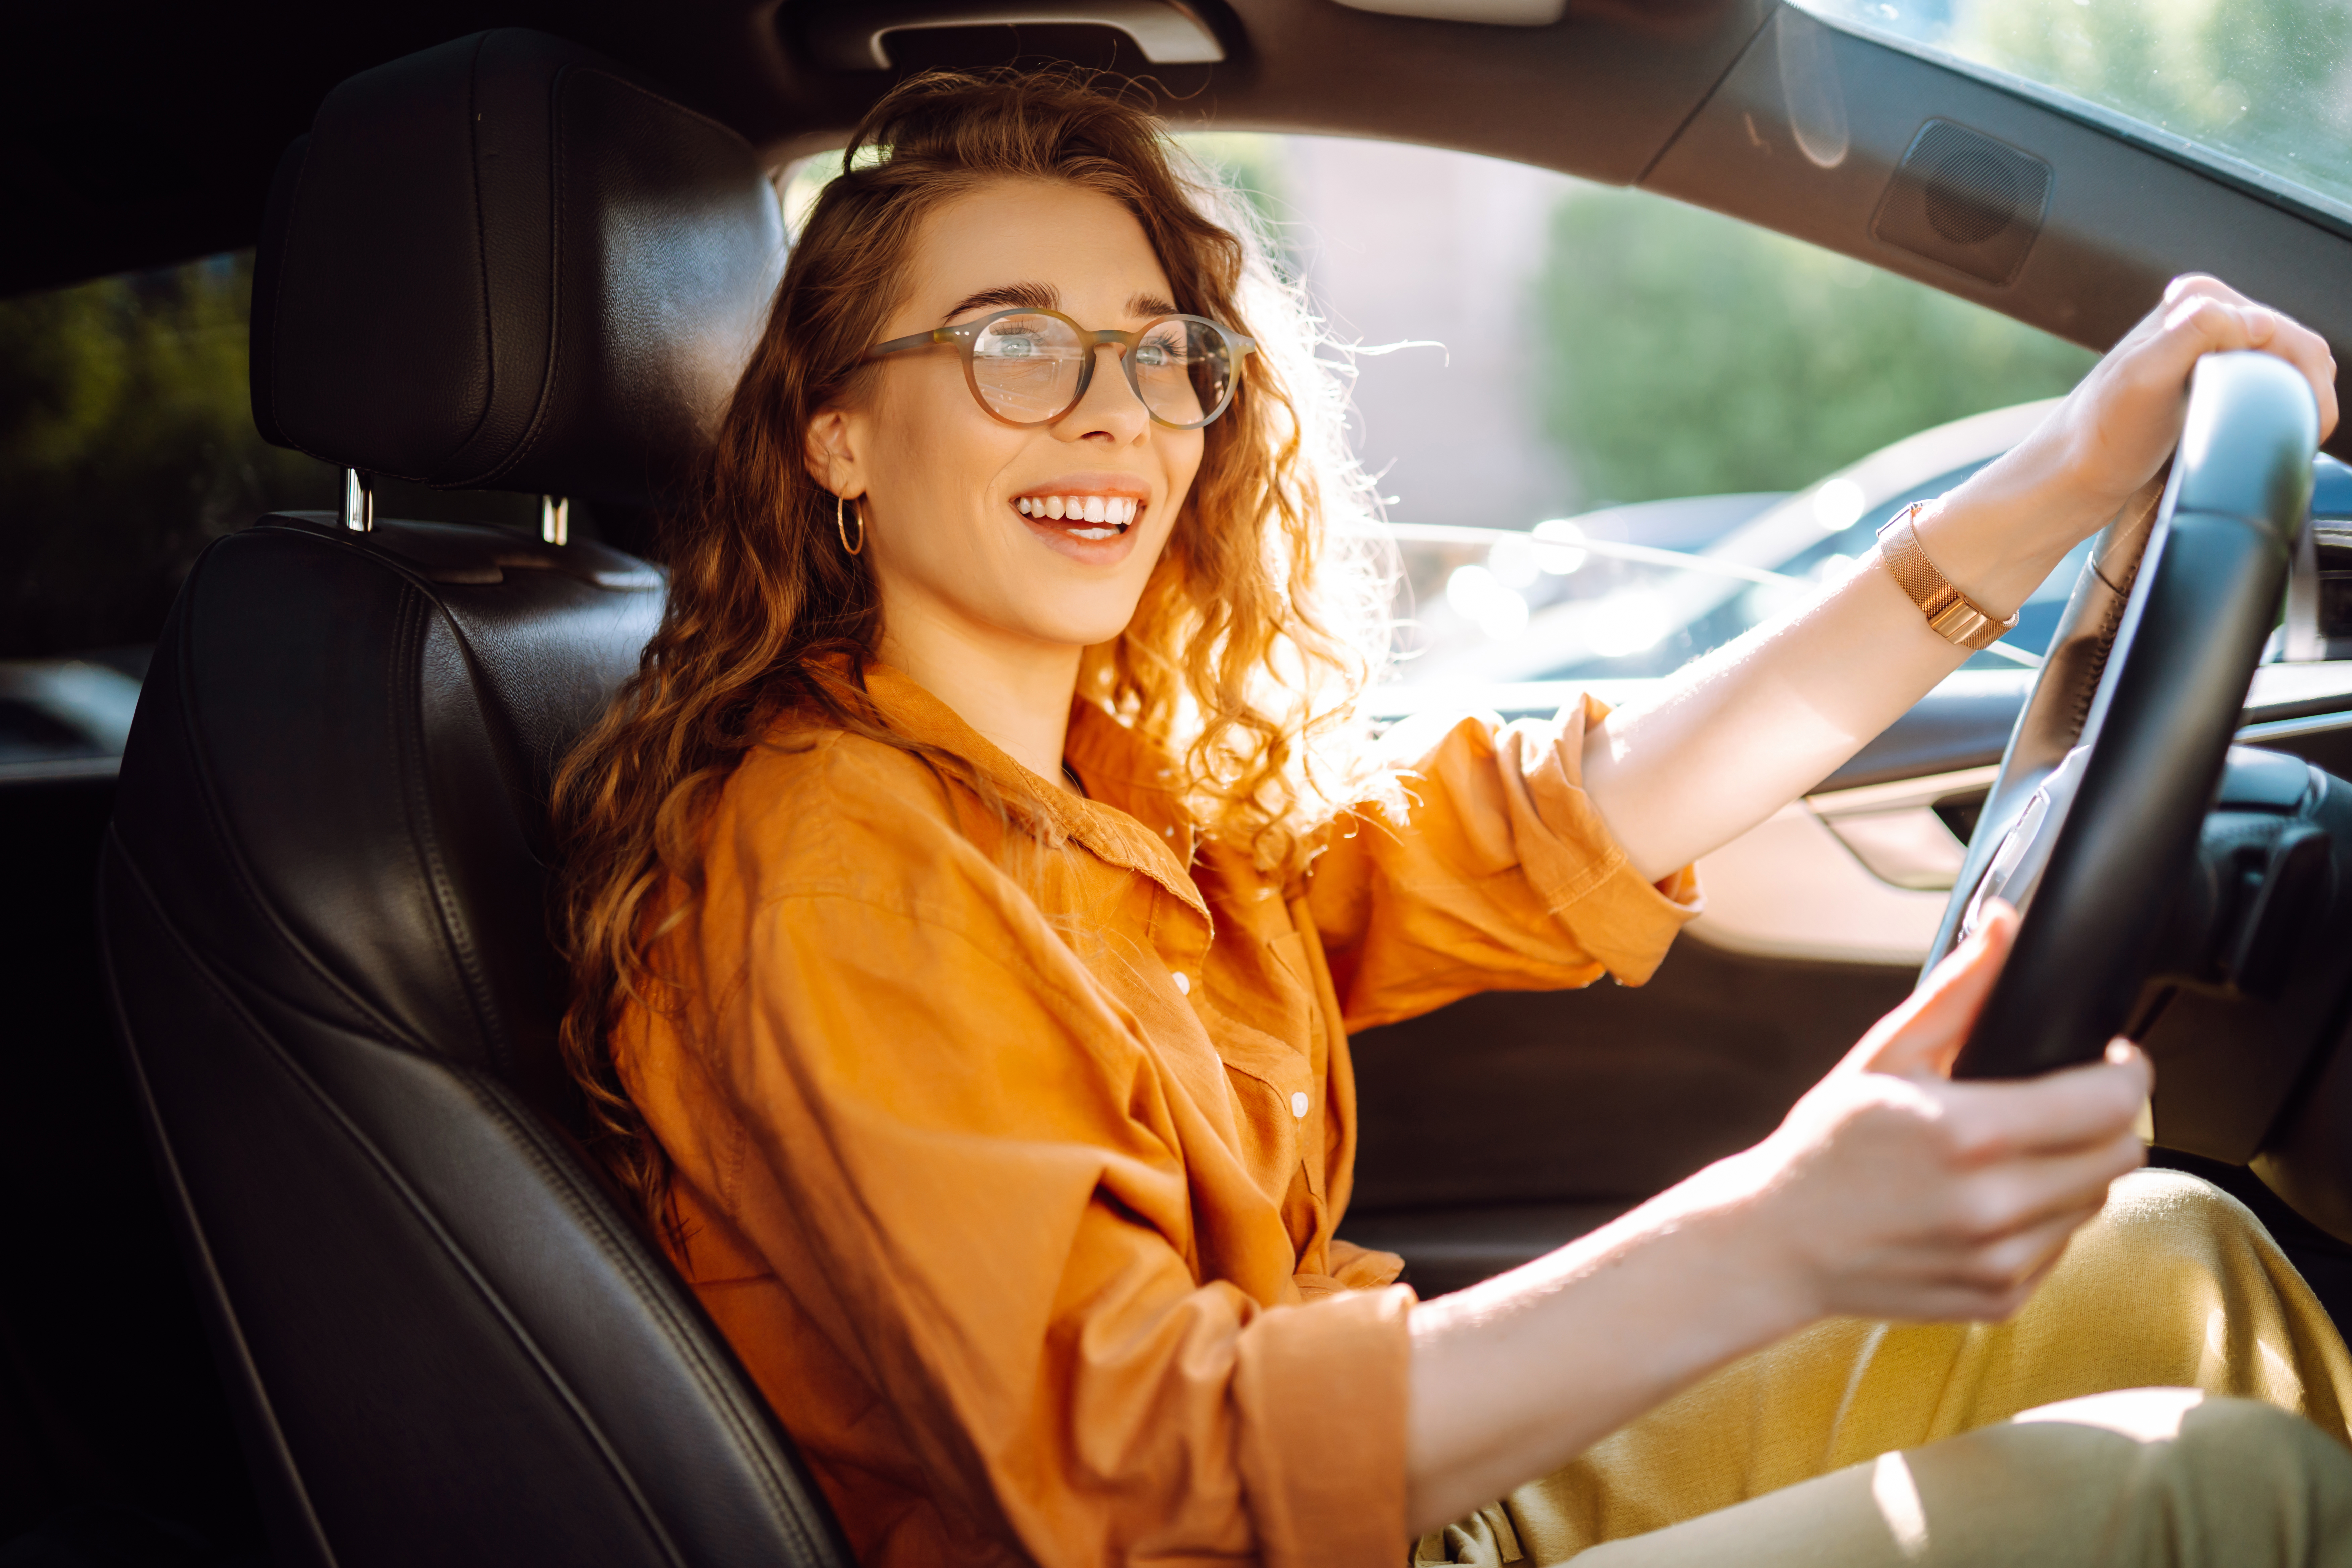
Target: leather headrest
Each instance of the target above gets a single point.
(506, 264)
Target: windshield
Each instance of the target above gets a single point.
(2258, 89)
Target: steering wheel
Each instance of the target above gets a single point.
(2092, 825)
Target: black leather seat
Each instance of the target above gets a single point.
(500, 263)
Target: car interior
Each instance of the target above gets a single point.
(312, 1267)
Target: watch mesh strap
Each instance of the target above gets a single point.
(1950, 614)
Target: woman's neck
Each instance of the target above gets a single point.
(1014, 691)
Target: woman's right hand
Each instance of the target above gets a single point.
(1891, 1191)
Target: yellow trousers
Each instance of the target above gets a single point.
(1974, 1443)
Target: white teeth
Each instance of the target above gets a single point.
(1116, 511)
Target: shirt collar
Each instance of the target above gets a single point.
(1133, 817)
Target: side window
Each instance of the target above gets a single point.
(127, 444)
(1612, 431)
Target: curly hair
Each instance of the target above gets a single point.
(1259, 625)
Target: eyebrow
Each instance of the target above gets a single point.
(1007, 296)
(1042, 297)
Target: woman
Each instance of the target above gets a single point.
(972, 897)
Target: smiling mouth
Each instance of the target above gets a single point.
(1086, 516)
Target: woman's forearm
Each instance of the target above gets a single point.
(1745, 730)
(1514, 1377)
(1888, 1192)
(1740, 733)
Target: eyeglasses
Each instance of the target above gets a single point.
(1031, 367)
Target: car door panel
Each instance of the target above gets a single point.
(1509, 1124)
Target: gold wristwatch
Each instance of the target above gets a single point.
(1954, 616)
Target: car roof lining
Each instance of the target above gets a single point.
(143, 134)
(1682, 97)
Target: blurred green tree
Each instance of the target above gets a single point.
(127, 444)
(1688, 354)
(2264, 80)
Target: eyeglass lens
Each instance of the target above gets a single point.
(1027, 368)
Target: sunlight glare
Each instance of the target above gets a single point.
(1514, 562)
(1479, 596)
(1838, 504)
(1561, 551)
(1626, 624)
(1897, 1496)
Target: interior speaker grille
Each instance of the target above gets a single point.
(1966, 200)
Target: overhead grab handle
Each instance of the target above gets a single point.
(853, 35)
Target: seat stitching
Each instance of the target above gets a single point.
(538, 431)
(243, 880)
(689, 1338)
(408, 721)
(151, 1115)
(423, 1211)
(540, 415)
(481, 245)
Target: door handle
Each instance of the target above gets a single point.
(852, 35)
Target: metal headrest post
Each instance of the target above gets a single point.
(359, 501)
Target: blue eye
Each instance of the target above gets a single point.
(1163, 351)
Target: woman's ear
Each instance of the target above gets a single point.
(831, 450)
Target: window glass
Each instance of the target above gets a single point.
(1555, 360)
(127, 445)
(2262, 89)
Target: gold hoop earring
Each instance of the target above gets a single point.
(839, 528)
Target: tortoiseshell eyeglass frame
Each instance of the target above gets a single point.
(965, 336)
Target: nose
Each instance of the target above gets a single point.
(1110, 410)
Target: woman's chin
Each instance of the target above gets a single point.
(1078, 617)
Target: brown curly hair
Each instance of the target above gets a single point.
(1261, 622)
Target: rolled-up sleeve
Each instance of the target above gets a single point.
(982, 1198)
(1494, 871)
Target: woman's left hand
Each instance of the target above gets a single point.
(2113, 432)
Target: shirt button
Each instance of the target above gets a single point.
(1169, 831)
(1184, 982)
(1298, 1105)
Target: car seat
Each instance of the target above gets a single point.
(502, 263)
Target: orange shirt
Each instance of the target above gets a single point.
(1014, 1172)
